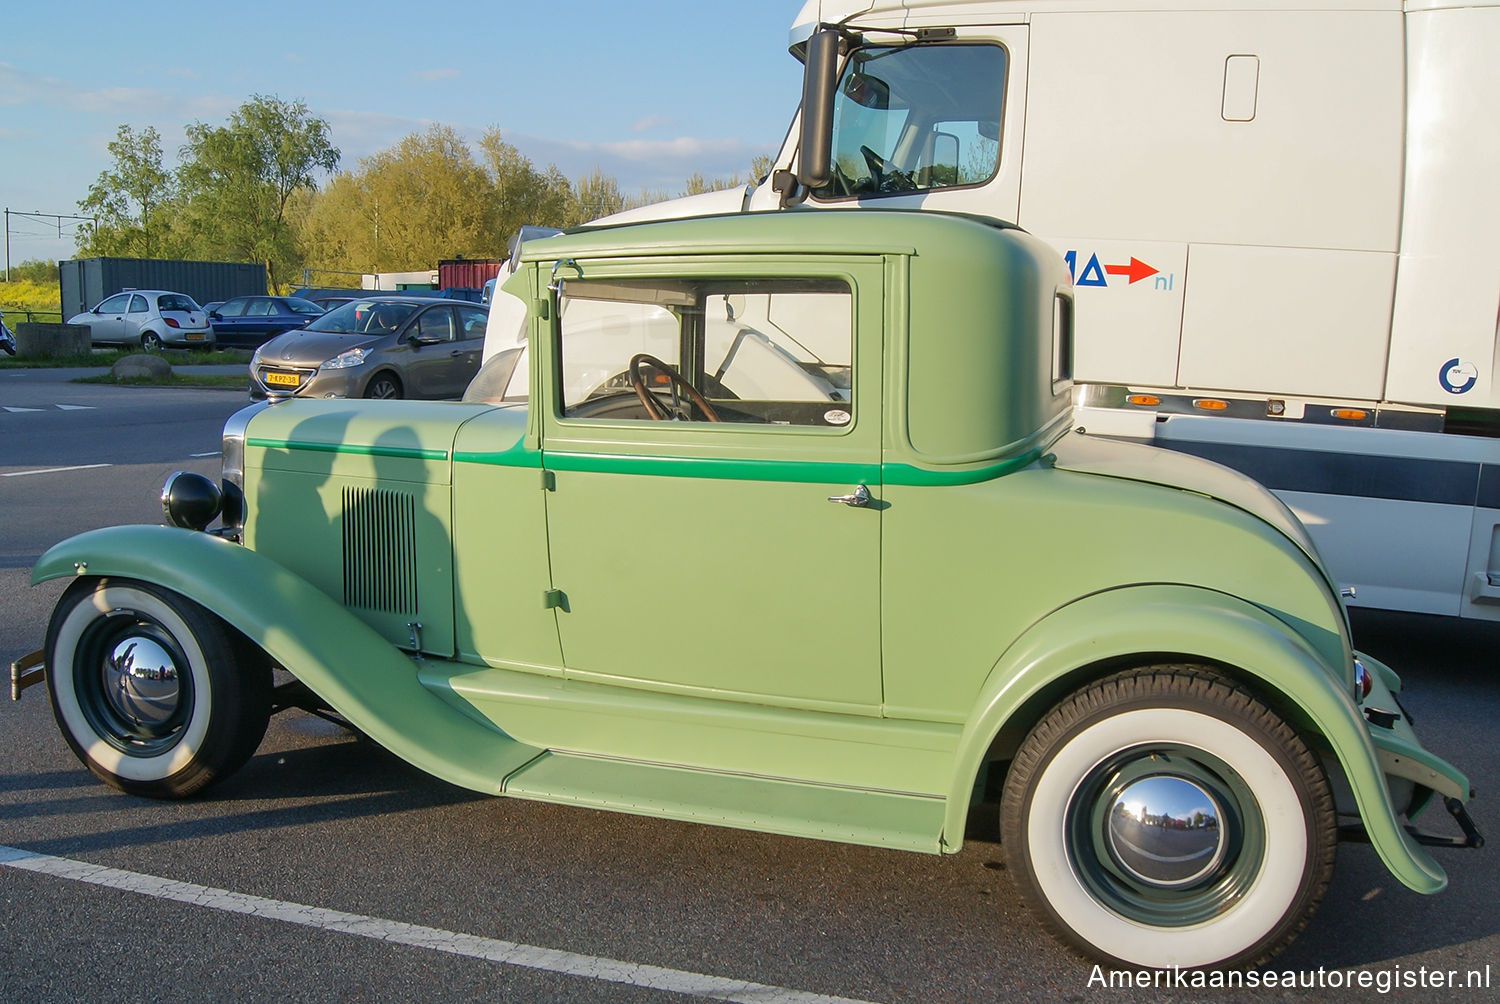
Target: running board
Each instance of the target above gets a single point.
(848, 815)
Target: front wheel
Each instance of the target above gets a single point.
(156, 695)
(1166, 817)
(383, 387)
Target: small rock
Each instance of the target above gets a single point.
(141, 366)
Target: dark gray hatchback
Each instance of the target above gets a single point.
(378, 347)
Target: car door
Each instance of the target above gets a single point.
(468, 345)
(734, 559)
(107, 322)
(229, 323)
(137, 313)
(429, 357)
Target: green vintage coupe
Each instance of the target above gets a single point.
(780, 522)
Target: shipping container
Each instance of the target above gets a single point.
(85, 281)
(470, 273)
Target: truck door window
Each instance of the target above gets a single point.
(916, 118)
(774, 352)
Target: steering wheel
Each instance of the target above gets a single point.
(653, 406)
(876, 164)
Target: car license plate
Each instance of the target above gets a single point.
(195, 337)
(282, 379)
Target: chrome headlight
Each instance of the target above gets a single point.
(347, 359)
(190, 500)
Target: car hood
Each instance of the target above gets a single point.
(312, 348)
(1085, 454)
(399, 440)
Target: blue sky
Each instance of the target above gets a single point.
(648, 91)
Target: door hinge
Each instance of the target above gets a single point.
(555, 599)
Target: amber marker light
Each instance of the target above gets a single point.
(1349, 414)
(1144, 400)
(1210, 404)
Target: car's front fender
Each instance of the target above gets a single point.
(1164, 623)
(362, 676)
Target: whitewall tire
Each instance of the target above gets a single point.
(1166, 817)
(155, 695)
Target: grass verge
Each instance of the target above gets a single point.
(108, 357)
(175, 380)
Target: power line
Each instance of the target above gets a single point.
(40, 217)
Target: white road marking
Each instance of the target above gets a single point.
(213, 454)
(14, 410)
(52, 470)
(75, 407)
(471, 946)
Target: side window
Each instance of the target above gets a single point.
(138, 304)
(436, 324)
(261, 307)
(471, 322)
(232, 308)
(1062, 342)
(768, 352)
(115, 304)
(915, 118)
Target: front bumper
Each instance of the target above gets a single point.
(310, 381)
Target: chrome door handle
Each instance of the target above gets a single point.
(859, 498)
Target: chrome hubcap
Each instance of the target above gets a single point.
(141, 683)
(1165, 830)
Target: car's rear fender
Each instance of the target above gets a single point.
(361, 675)
(1145, 624)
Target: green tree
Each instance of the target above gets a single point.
(521, 193)
(595, 195)
(35, 270)
(237, 180)
(407, 207)
(130, 199)
(698, 185)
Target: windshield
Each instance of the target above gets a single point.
(364, 317)
(915, 118)
(175, 301)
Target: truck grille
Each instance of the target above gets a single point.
(380, 551)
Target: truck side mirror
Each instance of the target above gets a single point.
(819, 81)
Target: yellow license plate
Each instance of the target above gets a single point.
(195, 338)
(282, 379)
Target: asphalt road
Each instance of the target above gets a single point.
(377, 882)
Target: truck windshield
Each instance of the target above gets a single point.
(913, 118)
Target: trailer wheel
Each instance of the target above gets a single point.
(155, 694)
(1166, 817)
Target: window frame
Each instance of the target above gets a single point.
(709, 273)
(824, 195)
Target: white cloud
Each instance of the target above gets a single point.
(651, 122)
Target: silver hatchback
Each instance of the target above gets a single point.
(377, 347)
(150, 318)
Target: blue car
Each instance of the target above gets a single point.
(249, 321)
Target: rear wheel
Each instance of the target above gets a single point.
(155, 694)
(151, 341)
(1166, 817)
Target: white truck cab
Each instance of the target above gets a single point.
(1280, 221)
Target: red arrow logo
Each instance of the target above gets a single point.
(1136, 270)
